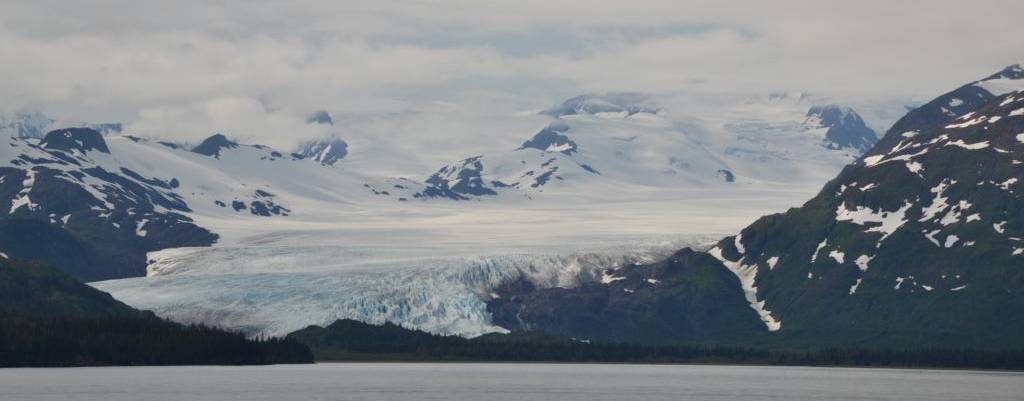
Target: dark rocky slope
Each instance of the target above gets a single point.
(69, 210)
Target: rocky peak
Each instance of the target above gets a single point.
(954, 104)
(458, 181)
(845, 128)
(1014, 71)
(552, 139)
(326, 152)
(75, 139)
(213, 145)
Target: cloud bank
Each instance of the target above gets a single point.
(255, 69)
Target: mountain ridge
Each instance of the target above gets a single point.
(882, 255)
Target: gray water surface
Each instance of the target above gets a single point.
(458, 382)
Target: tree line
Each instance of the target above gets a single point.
(142, 339)
(348, 340)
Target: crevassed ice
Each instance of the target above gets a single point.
(276, 290)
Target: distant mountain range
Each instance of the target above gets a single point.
(111, 199)
(626, 137)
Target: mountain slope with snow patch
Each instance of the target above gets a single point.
(917, 244)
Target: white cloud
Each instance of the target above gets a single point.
(273, 62)
(241, 118)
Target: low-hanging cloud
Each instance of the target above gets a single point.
(244, 119)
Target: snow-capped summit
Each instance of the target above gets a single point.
(621, 103)
(213, 145)
(1014, 71)
(552, 139)
(955, 104)
(459, 181)
(326, 151)
(1009, 79)
(75, 139)
(844, 128)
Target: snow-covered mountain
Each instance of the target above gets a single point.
(546, 158)
(74, 203)
(326, 151)
(229, 233)
(628, 140)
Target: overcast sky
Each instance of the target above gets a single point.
(256, 68)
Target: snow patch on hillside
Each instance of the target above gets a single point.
(889, 221)
(746, 274)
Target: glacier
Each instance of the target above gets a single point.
(247, 289)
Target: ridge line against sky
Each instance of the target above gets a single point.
(187, 68)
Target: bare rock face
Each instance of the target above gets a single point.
(326, 152)
(75, 139)
(213, 145)
(552, 138)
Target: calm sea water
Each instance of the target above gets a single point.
(458, 382)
